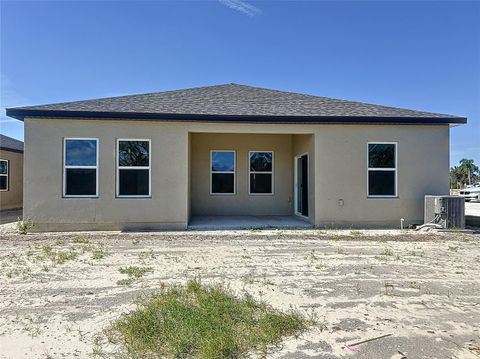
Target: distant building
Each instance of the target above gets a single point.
(11, 173)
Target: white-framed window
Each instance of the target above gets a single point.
(133, 168)
(382, 171)
(4, 167)
(80, 167)
(222, 172)
(260, 172)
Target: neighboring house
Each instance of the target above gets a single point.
(11, 173)
(156, 160)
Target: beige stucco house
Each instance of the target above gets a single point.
(162, 160)
(11, 173)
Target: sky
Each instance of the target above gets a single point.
(410, 54)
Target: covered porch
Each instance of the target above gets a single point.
(251, 180)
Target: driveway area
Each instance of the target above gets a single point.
(472, 208)
(59, 291)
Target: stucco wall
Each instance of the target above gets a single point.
(203, 203)
(14, 196)
(338, 160)
(166, 208)
(341, 163)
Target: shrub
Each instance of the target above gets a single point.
(24, 225)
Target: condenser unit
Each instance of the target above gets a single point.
(446, 212)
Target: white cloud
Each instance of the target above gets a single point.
(242, 7)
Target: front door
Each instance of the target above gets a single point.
(301, 185)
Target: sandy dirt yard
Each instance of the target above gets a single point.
(59, 291)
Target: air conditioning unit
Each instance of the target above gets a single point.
(446, 212)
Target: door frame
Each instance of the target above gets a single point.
(295, 180)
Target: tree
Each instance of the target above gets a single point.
(466, 173)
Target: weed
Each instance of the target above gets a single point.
(147, 255)
(24, 225)
(60, 242)
(389, 288)
(18, 272)
(126, 281)
(80, 240)
(64, 256)
(98, 253)
(202, 321)
(453, 248)
(57, 257)
(312, 257)
(133, 273)
(386, 252)
(356, 233)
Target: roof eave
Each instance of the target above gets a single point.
(20, 114)
(10, 149)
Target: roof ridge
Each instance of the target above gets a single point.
(123, 96)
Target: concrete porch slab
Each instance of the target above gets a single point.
(246, 222)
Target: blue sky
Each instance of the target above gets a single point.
(419, 55)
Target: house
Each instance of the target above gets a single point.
(11, 173)
(161, 160)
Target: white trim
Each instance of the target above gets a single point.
(230, 172)
(6, 175)
(149, 168)
(389, 169)
(272, 172)
(65, 167)
(295, 181)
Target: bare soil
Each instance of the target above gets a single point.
(422, 288)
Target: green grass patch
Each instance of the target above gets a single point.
(200, 321)
(98, 253)
(133, 273)
(57, 256)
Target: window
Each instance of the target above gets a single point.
(3, 175)
(80, 172)
(260, 172)
(382, 169)
(222, 172)
(133, 168)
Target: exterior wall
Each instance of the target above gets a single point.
(302, 144)
(341, 173)
(203, 203)
(338, 170)
(167, 207)
(14, 196)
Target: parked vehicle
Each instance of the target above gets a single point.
(471, 192)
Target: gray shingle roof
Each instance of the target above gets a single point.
(229, 100)
(10, 144)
